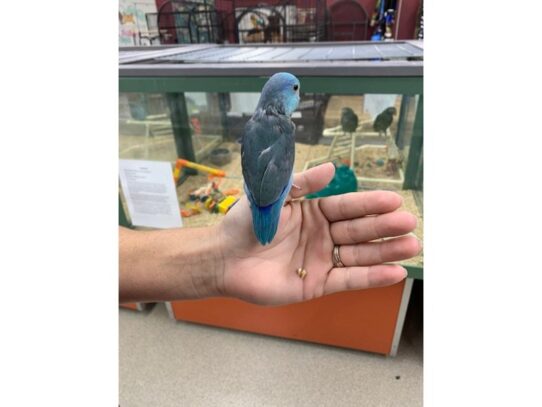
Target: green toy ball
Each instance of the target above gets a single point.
(380, 162)
(344, 181)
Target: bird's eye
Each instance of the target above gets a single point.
(296, 87)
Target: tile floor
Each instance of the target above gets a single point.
(167, 363)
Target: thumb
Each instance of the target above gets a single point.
(312, 180)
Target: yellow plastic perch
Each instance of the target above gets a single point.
(225, 205)
(189, 164)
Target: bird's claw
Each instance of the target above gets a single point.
(296, 187)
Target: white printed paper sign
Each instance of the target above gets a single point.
(149, 190)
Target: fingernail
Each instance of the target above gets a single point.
(406, 272)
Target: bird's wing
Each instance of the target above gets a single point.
(267, 156)
(349, 120)
(378, 123)
(383, 121)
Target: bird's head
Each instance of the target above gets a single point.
(392, 111)
(346, 110)
(281, 92)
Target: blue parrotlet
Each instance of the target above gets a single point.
(268, 152)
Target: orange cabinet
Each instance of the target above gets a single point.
(369, 320)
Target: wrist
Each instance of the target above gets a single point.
(197, 267)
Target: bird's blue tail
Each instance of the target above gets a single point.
(265, 219)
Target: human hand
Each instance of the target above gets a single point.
(307, 233)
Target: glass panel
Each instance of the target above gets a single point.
(146, 130)
(369, 135)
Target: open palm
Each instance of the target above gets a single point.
(307, 233)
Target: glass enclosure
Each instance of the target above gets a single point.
(370, 124)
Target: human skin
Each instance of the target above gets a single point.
(226, 259)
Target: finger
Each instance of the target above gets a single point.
(357, 204)
(371, 253)
(357, 278)
(373, 227)
(312, 180)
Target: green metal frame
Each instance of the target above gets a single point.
(415, 272)
(311, 84)
(181, 126)
(412, 176)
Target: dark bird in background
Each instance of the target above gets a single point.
(383, 120)
(349, 120)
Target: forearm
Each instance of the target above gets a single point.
(169, 265)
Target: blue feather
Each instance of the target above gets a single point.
(265, 219)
